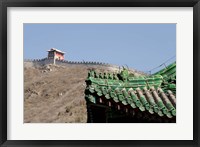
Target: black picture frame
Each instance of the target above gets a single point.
(4, 4)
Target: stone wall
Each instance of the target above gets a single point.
(64, 62)
(46, 61)
(40, 61)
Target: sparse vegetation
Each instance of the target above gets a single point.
(55, 94)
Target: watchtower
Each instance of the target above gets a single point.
(56, 54)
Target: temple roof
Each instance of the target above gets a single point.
(155, 93)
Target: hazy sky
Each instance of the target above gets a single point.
(140, 46)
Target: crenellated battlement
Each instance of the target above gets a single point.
(80, 62)
(46, 61)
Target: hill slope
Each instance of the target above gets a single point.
(55, 93)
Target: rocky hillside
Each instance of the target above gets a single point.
(55, 94)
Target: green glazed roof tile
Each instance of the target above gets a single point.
(155, 93)
(107, 96)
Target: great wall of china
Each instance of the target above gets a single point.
(56, 57)
(90, 64)
(45, 61)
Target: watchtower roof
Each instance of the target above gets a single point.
(54, 49)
